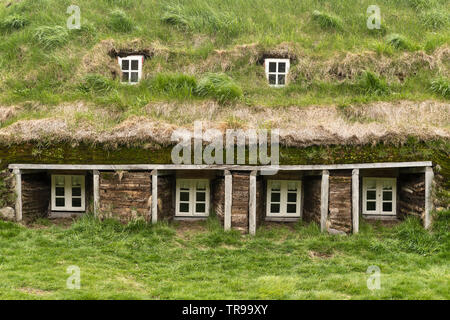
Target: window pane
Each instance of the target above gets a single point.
(184, 185)
(275, 197)
(76, 192)
(184, 196)
(275, 208)
(134, 77)
(387, 206)
(125, 65)
(272, 67)
(134, 64)
(292, 186)
(200, 208)
(292, 197)
(201, 185)
(371, 184)
(282, 67)
(371, 206)
(59, 191)
(125, 76)
(387, 185)
(387, 195)
(60, 202)
(184, 207)
(371, 195)
(201, 196)
(59, 180)
(276, 185)
(291, 208)
(272, 79)
(76, 180)
(281, 79)
(76, 202)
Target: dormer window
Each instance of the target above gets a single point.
(277, 71)
(131, 67)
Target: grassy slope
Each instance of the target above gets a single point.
(166, 262)
(31, 72)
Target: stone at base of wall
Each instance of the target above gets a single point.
(334, 231)
(8, 214)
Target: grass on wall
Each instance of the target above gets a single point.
(139, 261)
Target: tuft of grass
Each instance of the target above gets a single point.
(175, 15)
(119, 21)
(435, 19)
(96, 83)
(13, 22)
(421, 4)
(327, 21)
(398, 41)
(371, 84)
(441, 86)
(176, 85)
(50, 37)
(220, 87)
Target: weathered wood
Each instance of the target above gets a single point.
(311, 189)
(340, 202)
(355, 200)
(18, 190)
(96, 191)
(429, 176)
(228, 200)
(252, 204)
(154, 211)
(324, 190)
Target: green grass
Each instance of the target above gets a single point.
(138, 261)
(441, 86)
(220, 87)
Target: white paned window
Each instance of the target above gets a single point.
(68, 193)
(379, 196)
(131, 68)
(192, 198)
(283, 198)
(277, 71)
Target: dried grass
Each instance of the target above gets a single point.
(300, 127)
(7, 113)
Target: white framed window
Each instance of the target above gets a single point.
(277, 71)
(131, 67)
(379, 196)
(68, 193)
(192, 197)
(283, 198)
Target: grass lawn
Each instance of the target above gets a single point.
(176, 261)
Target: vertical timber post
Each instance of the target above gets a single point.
(355, 200)
(228, 199)
(96, 186)
(252, 204)
(18, 190)
(154, 196)
(324, 200)
(429, 176)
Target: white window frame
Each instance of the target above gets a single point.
(268, 73)
(379, 197)
(68, 193)
(140, 60)
(283, 199)
(192, 198)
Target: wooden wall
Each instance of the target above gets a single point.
(340, 202)
(411, 195)
(312, 192)
(218, 197)
(239, 208)
(166, 197)
(36, 193)
(125, 195)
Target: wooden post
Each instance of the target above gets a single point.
(355, 200)
(154, 196)
(429, 176)
(96, 187)
(252, 204)
(228, 199)
(324, 200)
(18, 191)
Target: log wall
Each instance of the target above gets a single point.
(340, 202)
(260, 200)
(36, 193)
(411, 195)
(218, 197)
(166, 200)
(239, 208)
(125, 195)
(311, 206)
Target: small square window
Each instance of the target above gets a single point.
(277, 71)
(67, 193)
(201, 196)
(200, 208)
(60, 202)
(292, 197)
(192, 197)
(76, 202)
(131, 68)
(59, 191)
(184, 207)
(283, 198)
(275, 197)
(371, 206)
(379, 196)
(291, 208)
(184, 196)
(387, 206)
(275, 208)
